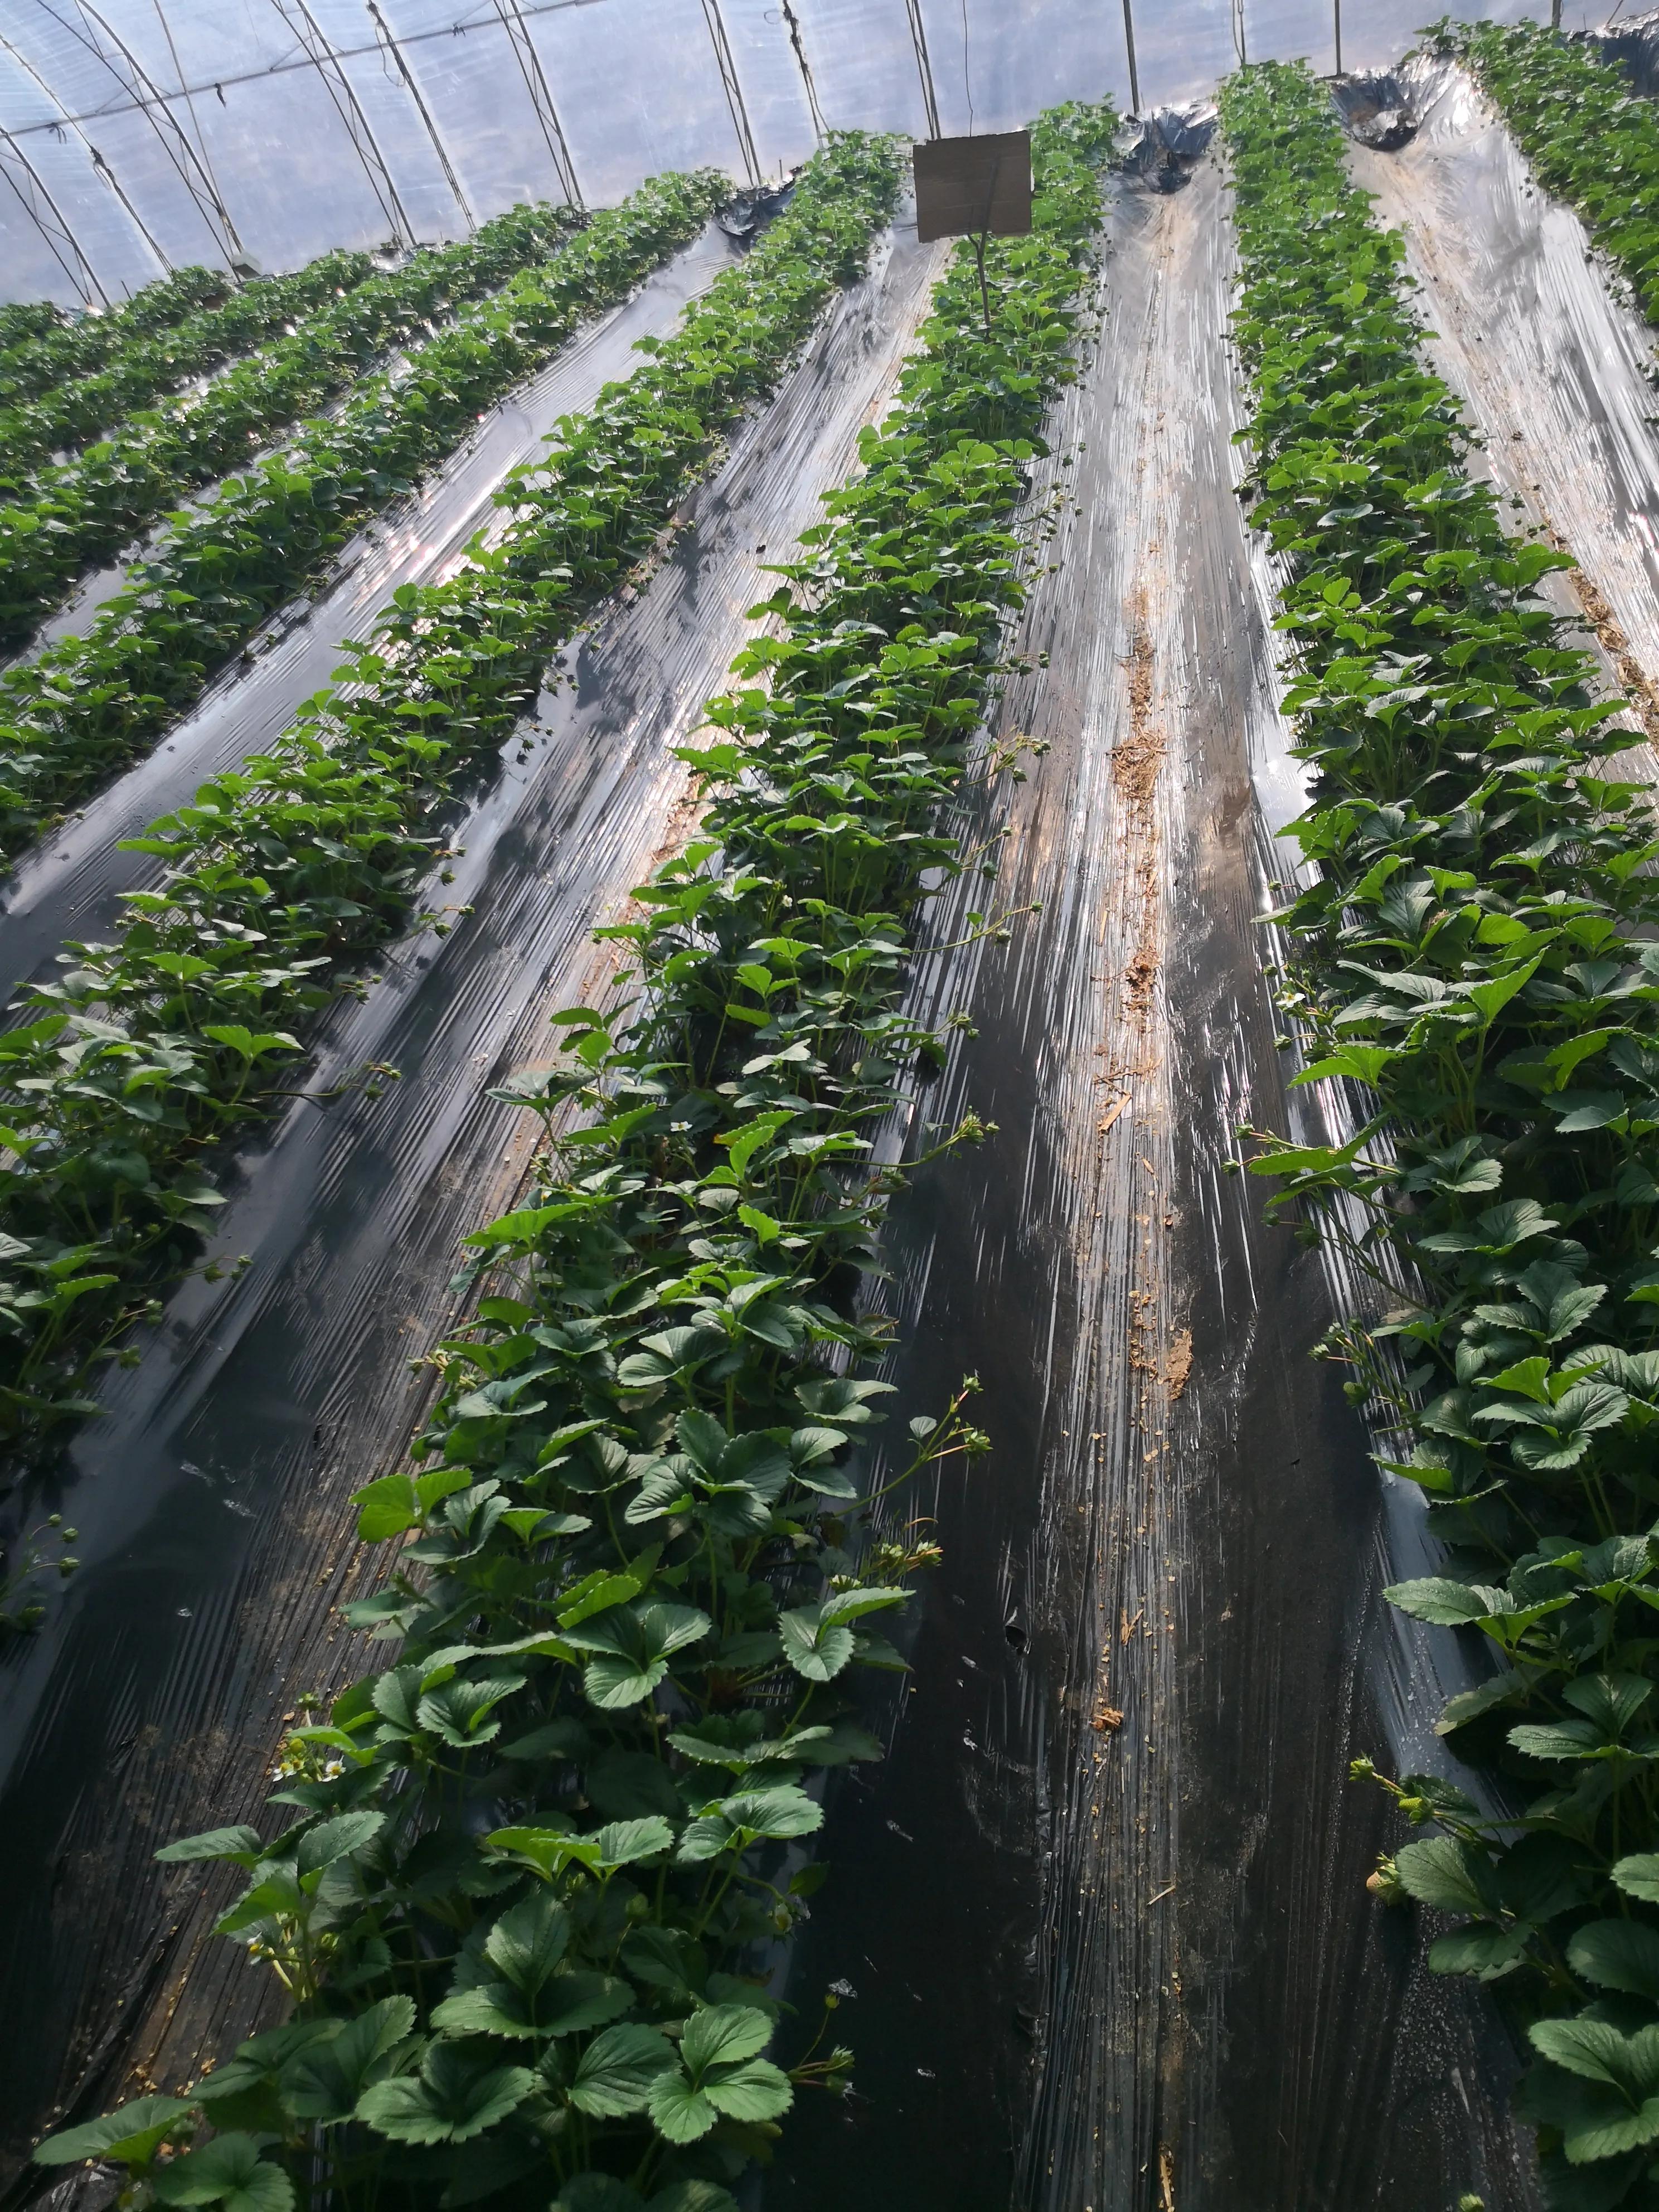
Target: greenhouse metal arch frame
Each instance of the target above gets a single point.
(141, 136)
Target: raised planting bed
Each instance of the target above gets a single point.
(82, 710)
(285, 873)
(1473, 959)
(147, 364)
(73, 515)
(41, 347)
(526, 1908)
(1591, 140)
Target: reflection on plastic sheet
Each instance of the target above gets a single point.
(129, 118)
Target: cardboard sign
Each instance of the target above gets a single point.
(965, 185)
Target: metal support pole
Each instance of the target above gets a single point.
(98, 163)
(541, 99)
(1129, 41)
(982, 239)
(734, 99)
(314, 45)
(32, 194)
(1239, 33)
(1555, 15)
(425, 114)
(1337, 5)
(189, 105)
(919, 41)
(138, 223)
(792, 24)
(136, 82)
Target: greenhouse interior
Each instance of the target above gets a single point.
(828, 829)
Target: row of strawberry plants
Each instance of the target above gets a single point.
(23, 321)
(524, 1910)
(148, 364)
(284, 873)
(40, 346)
(75, 714)
(80, 512)
(1589, 138)
(1474, 962)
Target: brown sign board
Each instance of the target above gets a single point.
(965, 185)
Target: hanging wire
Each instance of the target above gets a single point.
(59, 238)
(411, 86)
(329, 66)
(791, 23)
(147, 96)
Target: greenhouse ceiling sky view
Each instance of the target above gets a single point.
(140, 135)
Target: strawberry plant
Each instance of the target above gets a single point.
(1589, 138)
(24, 320)
(41, 347)
(530, 1873)
(283, 873)
(79, 712)
(148, 364)
(86, 510)
(1472, 960)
